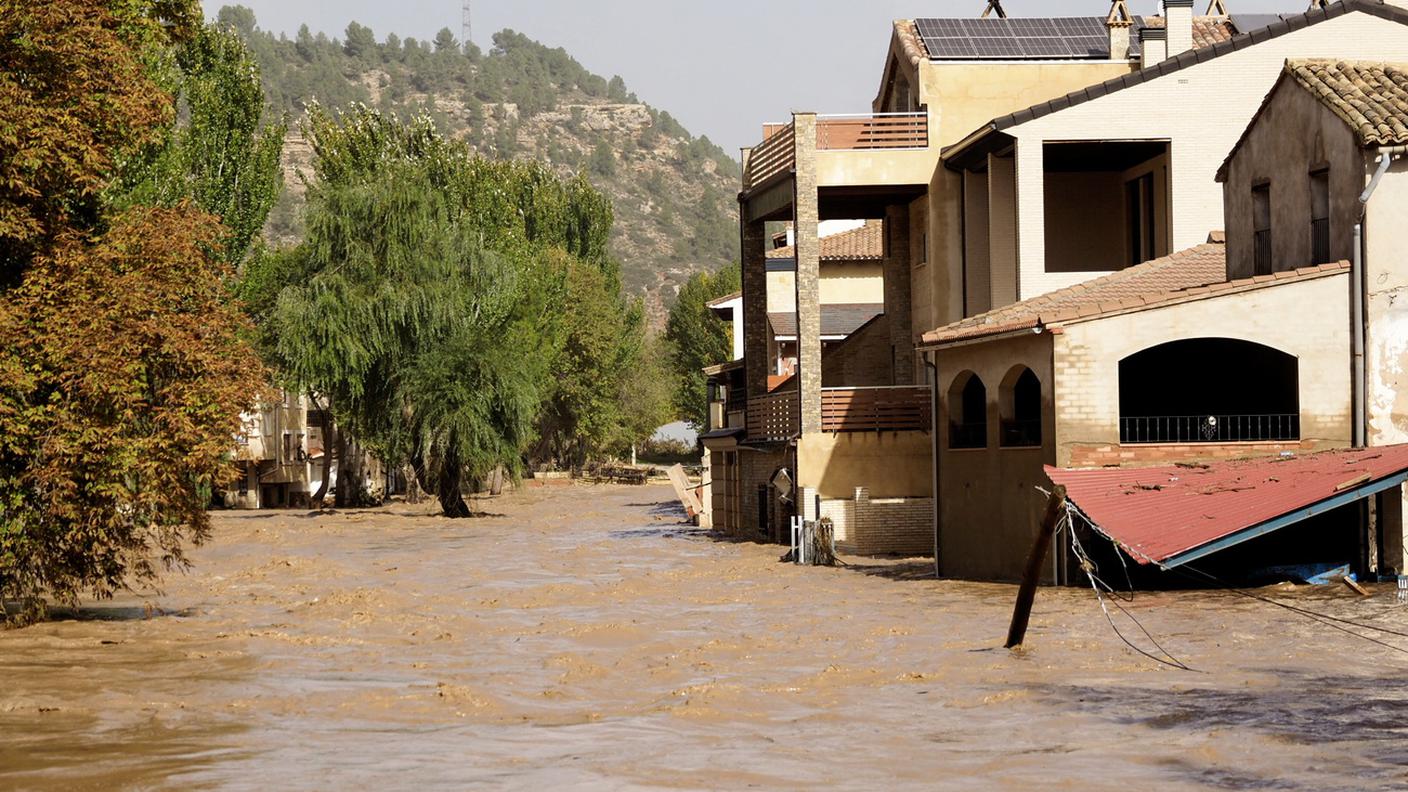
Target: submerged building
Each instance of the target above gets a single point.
(1057, 291)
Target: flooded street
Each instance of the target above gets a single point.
(581, 638)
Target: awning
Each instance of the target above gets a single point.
(1172, 515)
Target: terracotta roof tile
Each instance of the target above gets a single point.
(1196, 272)
(866, 242)
(1196, 266)
(1371, 97)
(910, 42)
(1207, 30)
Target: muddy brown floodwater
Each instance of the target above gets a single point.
(583, 639)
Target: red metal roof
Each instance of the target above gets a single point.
(1164, 514)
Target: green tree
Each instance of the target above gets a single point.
(359, 41)
(220, 154)
(698, 339)
(445, 41)
(428, 298)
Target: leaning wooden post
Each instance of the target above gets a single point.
(1027, 593)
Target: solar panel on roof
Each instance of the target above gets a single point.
(1024, 38)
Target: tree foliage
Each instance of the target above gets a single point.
(455, 309)
(122, 381)
(76, 96)
(220, 155)
(123, 366)
(698, 339)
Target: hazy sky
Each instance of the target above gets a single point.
(722, 67)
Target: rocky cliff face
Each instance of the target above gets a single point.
(673, 193)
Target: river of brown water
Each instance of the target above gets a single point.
(582, 639)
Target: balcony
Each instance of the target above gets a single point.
(848, 143)
(776, 416)
(872, 131)
(877, 409)
(1210, 428)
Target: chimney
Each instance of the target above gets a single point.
(1178, 21)
(1153, 46)
(1118, 24)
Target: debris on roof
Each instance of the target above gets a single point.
(1173, 515)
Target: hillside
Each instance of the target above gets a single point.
(673, 192)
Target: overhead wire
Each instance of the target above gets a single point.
(1334, 622)
(1092, 573)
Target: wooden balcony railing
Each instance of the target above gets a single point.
(872, 131)
(885, 409)
(862, 132)
(775, 155)
(776, 416)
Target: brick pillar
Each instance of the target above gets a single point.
(897, 293)
(863, 521)
(755, 303)
(805, 212)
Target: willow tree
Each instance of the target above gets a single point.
(424, 298)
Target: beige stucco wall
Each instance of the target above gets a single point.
(852, 282)
(782, 291)
(989, 507)
(1386, 273)
(961, 98)
(1203, 109)
(889, 464)
(1269, 153)
(1306, 319)
(840, 282)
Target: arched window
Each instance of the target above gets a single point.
(968, 412)
(1019, 404)
(1209, 390)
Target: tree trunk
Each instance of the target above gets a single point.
(447, 489)
(326, 428)
(349, 472)
(415, 493)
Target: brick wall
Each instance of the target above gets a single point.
(1088, 354)
(1170, 453)
(862, 359)
(881, 526)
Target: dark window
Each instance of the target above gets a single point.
(1320, 216)
(1139, 215)
(1021, 410)
(968, 408)
(1209, 390)
(1261, 226)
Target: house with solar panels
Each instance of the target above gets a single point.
(1005, 159)
(856, 431)
(1108, 324)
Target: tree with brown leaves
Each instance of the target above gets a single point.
(124, 369)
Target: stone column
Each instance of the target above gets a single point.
(755, 303)
(808, 247)
(897, 293)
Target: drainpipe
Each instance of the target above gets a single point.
(934, 446)
(1357, 290)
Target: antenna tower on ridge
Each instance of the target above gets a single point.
(466, 30)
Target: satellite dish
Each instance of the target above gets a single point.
(782, 482)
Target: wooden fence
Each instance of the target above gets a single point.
(898, 409)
